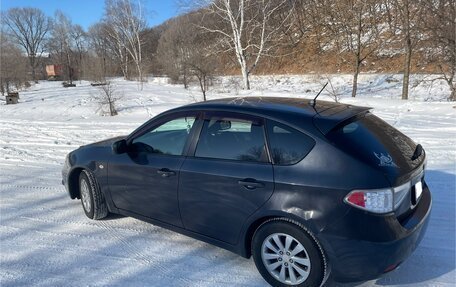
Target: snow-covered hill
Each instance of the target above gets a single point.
(46, 240)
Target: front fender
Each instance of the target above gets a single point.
(93, 159)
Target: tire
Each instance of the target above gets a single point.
(302, 263)
(92, 200)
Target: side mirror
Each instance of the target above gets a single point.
(119, 147)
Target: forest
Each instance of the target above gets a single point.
(233, 37)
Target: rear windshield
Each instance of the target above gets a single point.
(375, 142)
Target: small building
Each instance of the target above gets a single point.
(12, 98)
(54, 72)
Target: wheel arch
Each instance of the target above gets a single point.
(308, 225)
(73, 182)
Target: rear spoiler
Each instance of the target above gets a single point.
(331, 118)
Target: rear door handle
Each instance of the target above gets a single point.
(250, 183)
(166, 172)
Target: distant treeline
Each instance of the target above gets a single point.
(242, 37)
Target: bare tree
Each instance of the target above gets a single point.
(80, 46)
(201, 65)
(126, 21)
(244, 28)
(333, 92)
(117, 46)
(107, 98)
(151, 38)
(184, 52)
(306, 21)
(440, 25)
(28, 26)
(404, 17)
(61, 44)
(13, 66)
(354, 24)
(173, 47)
(103, 53)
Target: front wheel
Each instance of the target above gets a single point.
(287, 255)
(92, 199)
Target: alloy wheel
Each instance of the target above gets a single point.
(85, 196)
(285, 258)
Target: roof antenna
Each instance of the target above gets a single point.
(314, 101)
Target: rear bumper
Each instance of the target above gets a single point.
(361, 249)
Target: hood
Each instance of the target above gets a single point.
(105, 143)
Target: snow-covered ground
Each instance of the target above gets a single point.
(46, 240)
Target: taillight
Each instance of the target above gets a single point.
(400, 193)
(377, 200)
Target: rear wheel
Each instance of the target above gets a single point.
(287, 255)
(92, 199)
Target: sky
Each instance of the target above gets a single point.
(88, 12)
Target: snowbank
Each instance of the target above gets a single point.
(46, 240)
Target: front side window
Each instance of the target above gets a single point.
(233, 139)
(168, 138)
(288, 145)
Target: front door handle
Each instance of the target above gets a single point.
(166, 172)
(250, 183)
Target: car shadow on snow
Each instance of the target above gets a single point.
(112, 216)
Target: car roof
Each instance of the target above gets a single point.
(323, 115)
(263, 105)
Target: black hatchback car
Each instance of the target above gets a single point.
(307, 188)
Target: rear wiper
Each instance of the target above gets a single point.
(418, 151)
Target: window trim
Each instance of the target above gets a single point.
(160, 120)
(207, 115)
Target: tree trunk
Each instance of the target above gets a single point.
(245, 78)
(127, 76)
(205, 87)
(406, 80)
(204, 95)
(185, 78)
(70, 72)
(112, 109)
(140, 75)
(33, 66)
(358, 55)
(202, 82)
(104, 69)
(355, 80)
(408, 51)
(452, 83)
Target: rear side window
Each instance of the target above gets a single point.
(233, 139)
(288, 145)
